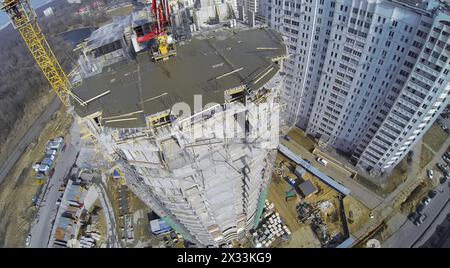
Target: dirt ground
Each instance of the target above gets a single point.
(304, 237)
(397, 177)
(142, 228)
(112, 191)
(286, 209)
(19, 187)
(425, 157)
(435, 137)
(101, 219)
(369, 184)
(411, 202)
(300, 137)
(360, 214)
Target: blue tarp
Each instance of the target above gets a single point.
(299, 161)
(347, 243)
(159, 227)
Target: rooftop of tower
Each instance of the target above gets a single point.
(207, 65)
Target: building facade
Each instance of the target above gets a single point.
(258, 8)
(367, 77)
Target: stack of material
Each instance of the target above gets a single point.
(325, 205)
(271, 229)
(87, 242)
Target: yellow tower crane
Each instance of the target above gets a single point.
(24, 19)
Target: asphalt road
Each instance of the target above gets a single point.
(31, 134)
(42, 225)
(445, 211)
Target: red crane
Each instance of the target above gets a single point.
(161, 14)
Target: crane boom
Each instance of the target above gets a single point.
(24, 20)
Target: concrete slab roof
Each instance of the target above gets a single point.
(141, 87)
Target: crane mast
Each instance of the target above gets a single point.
(24, 20)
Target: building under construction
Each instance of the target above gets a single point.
(188, 112)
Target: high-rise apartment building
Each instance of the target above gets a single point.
(196, 135)
(367, 77)
(258, 8)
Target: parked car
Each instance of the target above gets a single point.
(28, 240)
(420, 220)
(426, 200)
(35, 200)
(442, 167)
(432, 193)
(322, 161)
(430, 173)
(420, 208)
(307, 161)
(291, 181)
(413, 216)
(446, 158)
(442, 180)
